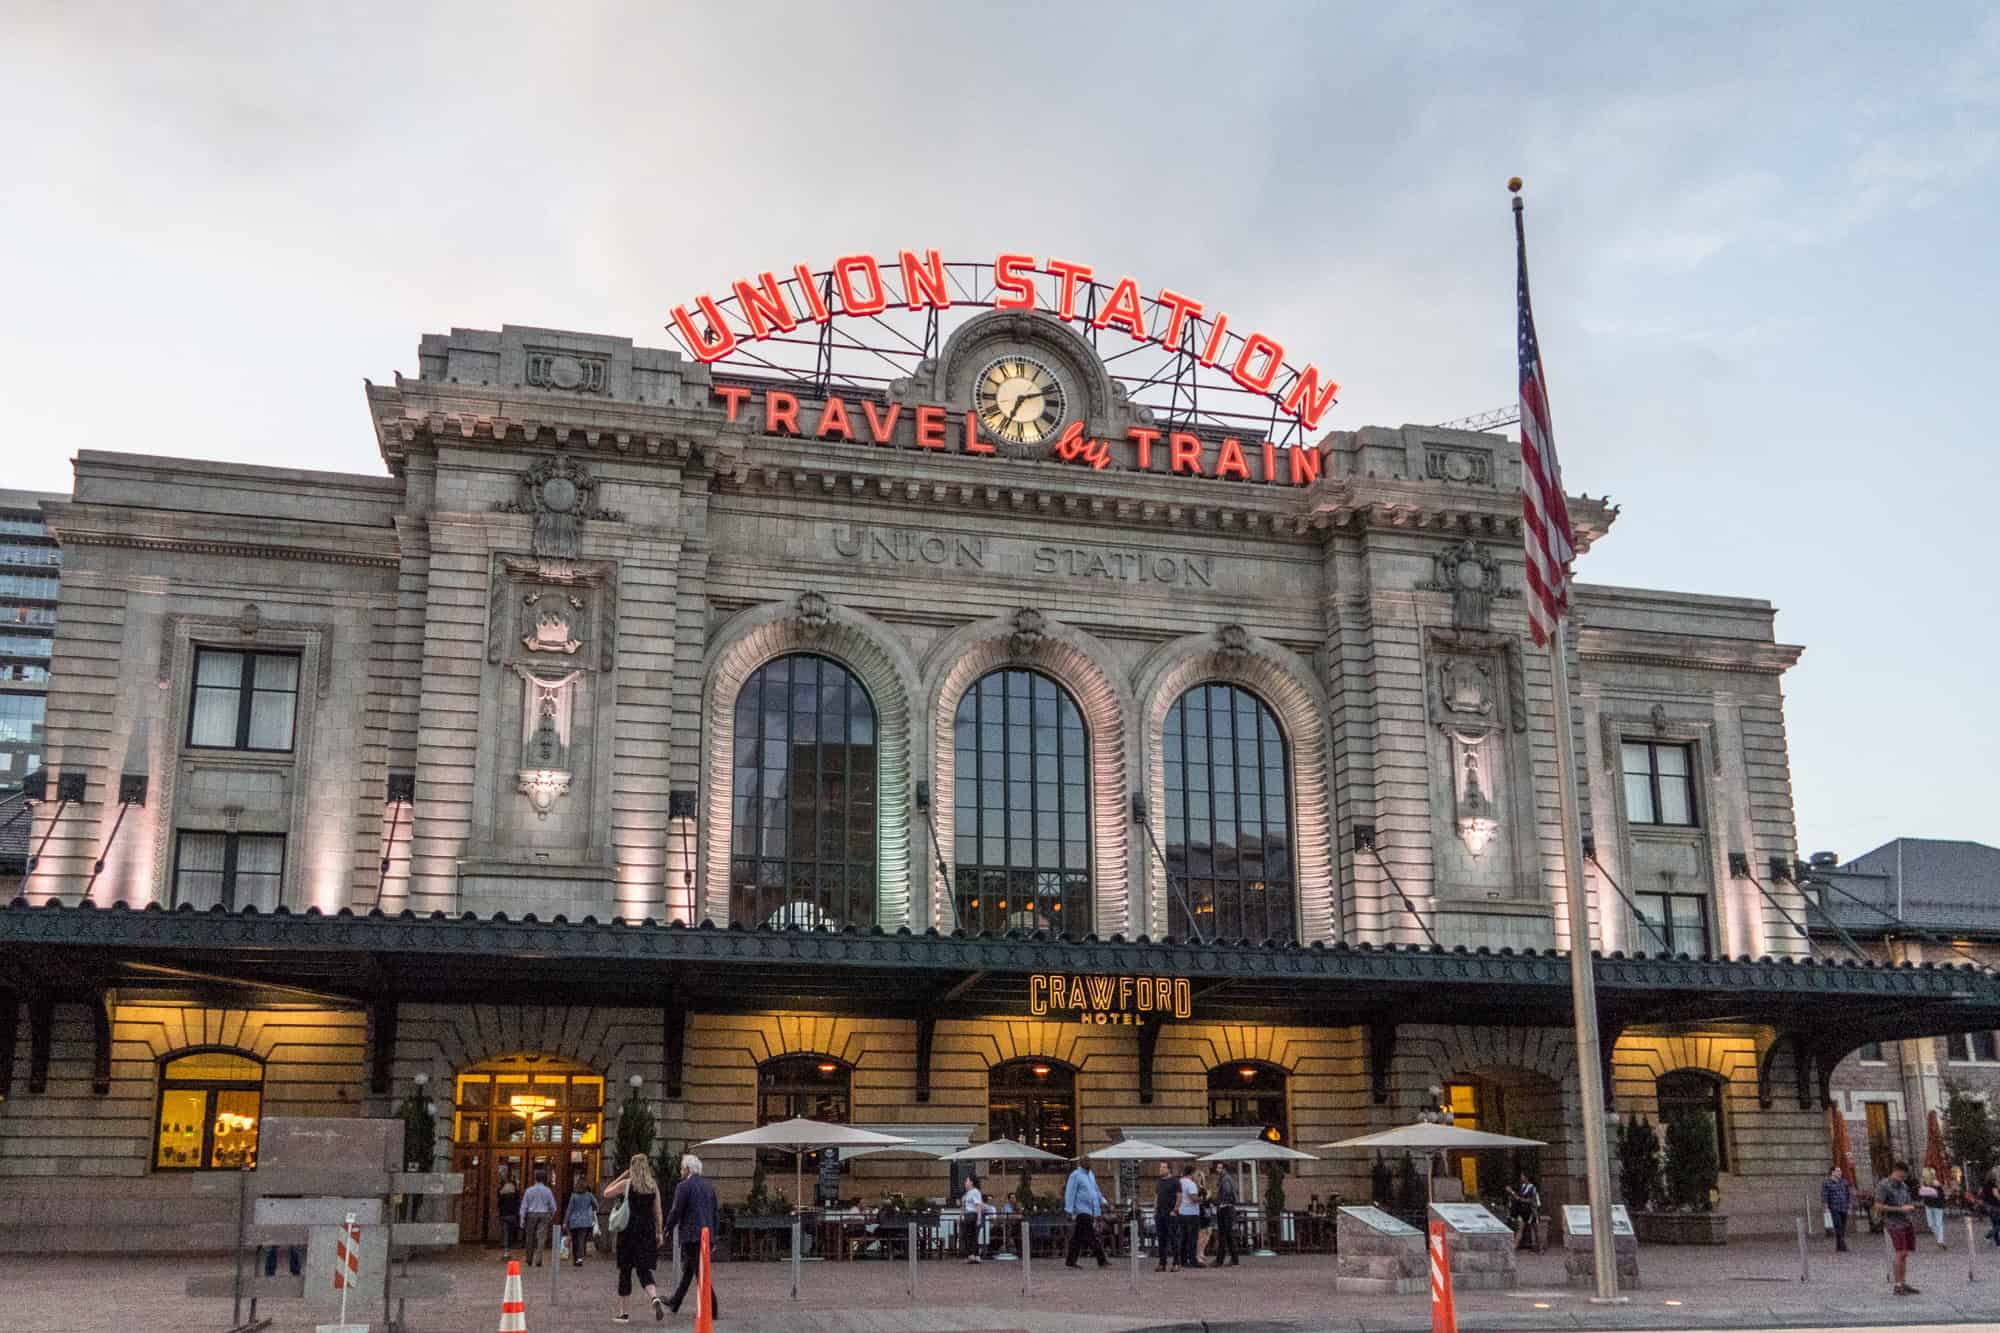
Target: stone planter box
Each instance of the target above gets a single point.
(1682, 1228)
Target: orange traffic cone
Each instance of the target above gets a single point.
(513, 1309)
(1444, 1315)
(704, 1293)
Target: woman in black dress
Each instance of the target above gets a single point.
(639, 1242)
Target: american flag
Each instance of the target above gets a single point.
(1545, 527)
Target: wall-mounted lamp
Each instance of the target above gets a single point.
(1364, 837)
(923, 794)
(637, 1081)
(1139, 811)
(1781, 869)
(1739, 865)
(421, 1080)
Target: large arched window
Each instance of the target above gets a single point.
(210, 1105)
(802, 849)
(1229, 817)
(1249, 1094)
(810, 1087)
(1687, 1093)
(1034, 1102)
(1021, 814)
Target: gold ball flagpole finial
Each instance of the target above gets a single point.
(1513, 184)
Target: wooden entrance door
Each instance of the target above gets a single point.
(1881, 1156)
(523, 1114)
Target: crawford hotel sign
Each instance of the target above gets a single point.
(1021, 403)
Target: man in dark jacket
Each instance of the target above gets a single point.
(1166, 1231)
(1838, 1196)
(1225, 1220)
(694, 1210)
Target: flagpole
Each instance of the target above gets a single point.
(1583, 982)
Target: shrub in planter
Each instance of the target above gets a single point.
(1692, 1169)
(1638, 1163)
(1382, 1182)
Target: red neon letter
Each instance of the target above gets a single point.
(1184, 453)
(815, 301)
(881, 428)
(1230, 461)
(972, 444)
(1211, 351)
(1305, 464)
(930, 426)
(927, 278)
(733, 395)
(1274, 357)
(768, 304)
(1307, 401)
(1145, 440)
(833, 417)
(844, 269)
(719, 342)
(1019, 288)
(1179, 308)
(781, 409)
(1070, 274)
(1270, 462)
(1123, 308)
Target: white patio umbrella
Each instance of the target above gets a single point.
(1259, 1150)
(1001, 1150)
(1136, 1150)
(799, 1136)
(1430, 1137)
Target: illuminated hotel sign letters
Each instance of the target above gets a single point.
(859, 285)
(1106, 1000)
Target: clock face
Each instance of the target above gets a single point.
(1019, 399)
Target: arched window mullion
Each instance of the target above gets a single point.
(1229, 848)
(1022, 815)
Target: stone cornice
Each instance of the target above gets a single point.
(1685, 651)
(236, 550)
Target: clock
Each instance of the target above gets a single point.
(1019, 399)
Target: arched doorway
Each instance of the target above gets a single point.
(514, 1116)
(1504, 1099)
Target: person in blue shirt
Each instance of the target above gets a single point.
(538, 1216)
(1083, 1201)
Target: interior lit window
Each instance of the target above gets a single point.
(210, 1105)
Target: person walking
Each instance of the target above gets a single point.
(1524, 1204)
(538, 1216)
(1166, 1231)
(508, 1194)
(1225, 1219)
(639, 1242)
(1989, 1204)
(1187, 1219)
(1930, 1193)
(694, 1210)
(972, 1219)
(580, 1218)
(1838, 1196)
(1083, 1201)
(1898, 1212)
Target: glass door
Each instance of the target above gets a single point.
(514, 1117)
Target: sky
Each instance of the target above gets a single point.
(1762, 242)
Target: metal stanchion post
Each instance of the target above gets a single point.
(1889, 1252)
(913, 1261)
(1971, 1252)
(1135, 1248)
(1805, 1272)
(555, 1258)
(795, 1256)
(1027, 1254)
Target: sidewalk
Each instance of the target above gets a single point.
(1743, 1285)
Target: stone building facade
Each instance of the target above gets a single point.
(643, 732)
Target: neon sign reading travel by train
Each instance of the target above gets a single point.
(767, 307)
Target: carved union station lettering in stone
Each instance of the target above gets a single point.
(906, 546)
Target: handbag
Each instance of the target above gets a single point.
(622, 1214)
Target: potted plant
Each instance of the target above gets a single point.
(1638, 1163)
(1689, 1217)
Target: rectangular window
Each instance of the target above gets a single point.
(230, 870)
(1659, 783)
(243, 701)
(1972, 1048)
(1871, 1054)
(1672, 923)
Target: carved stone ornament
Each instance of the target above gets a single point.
(1471, 575)
(1658, 713)
(551, 630)
(1233, 641)
(545, 730)
(561, 494)
(1465, 689)
(1028, 632)
(249, 619)
(814, 612)
(1476, 821)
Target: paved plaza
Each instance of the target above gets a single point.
(1745, 1284)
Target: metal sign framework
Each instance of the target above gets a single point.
(1188, 388)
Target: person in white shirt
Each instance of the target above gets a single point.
(1188, 1224)
(976, 1209)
